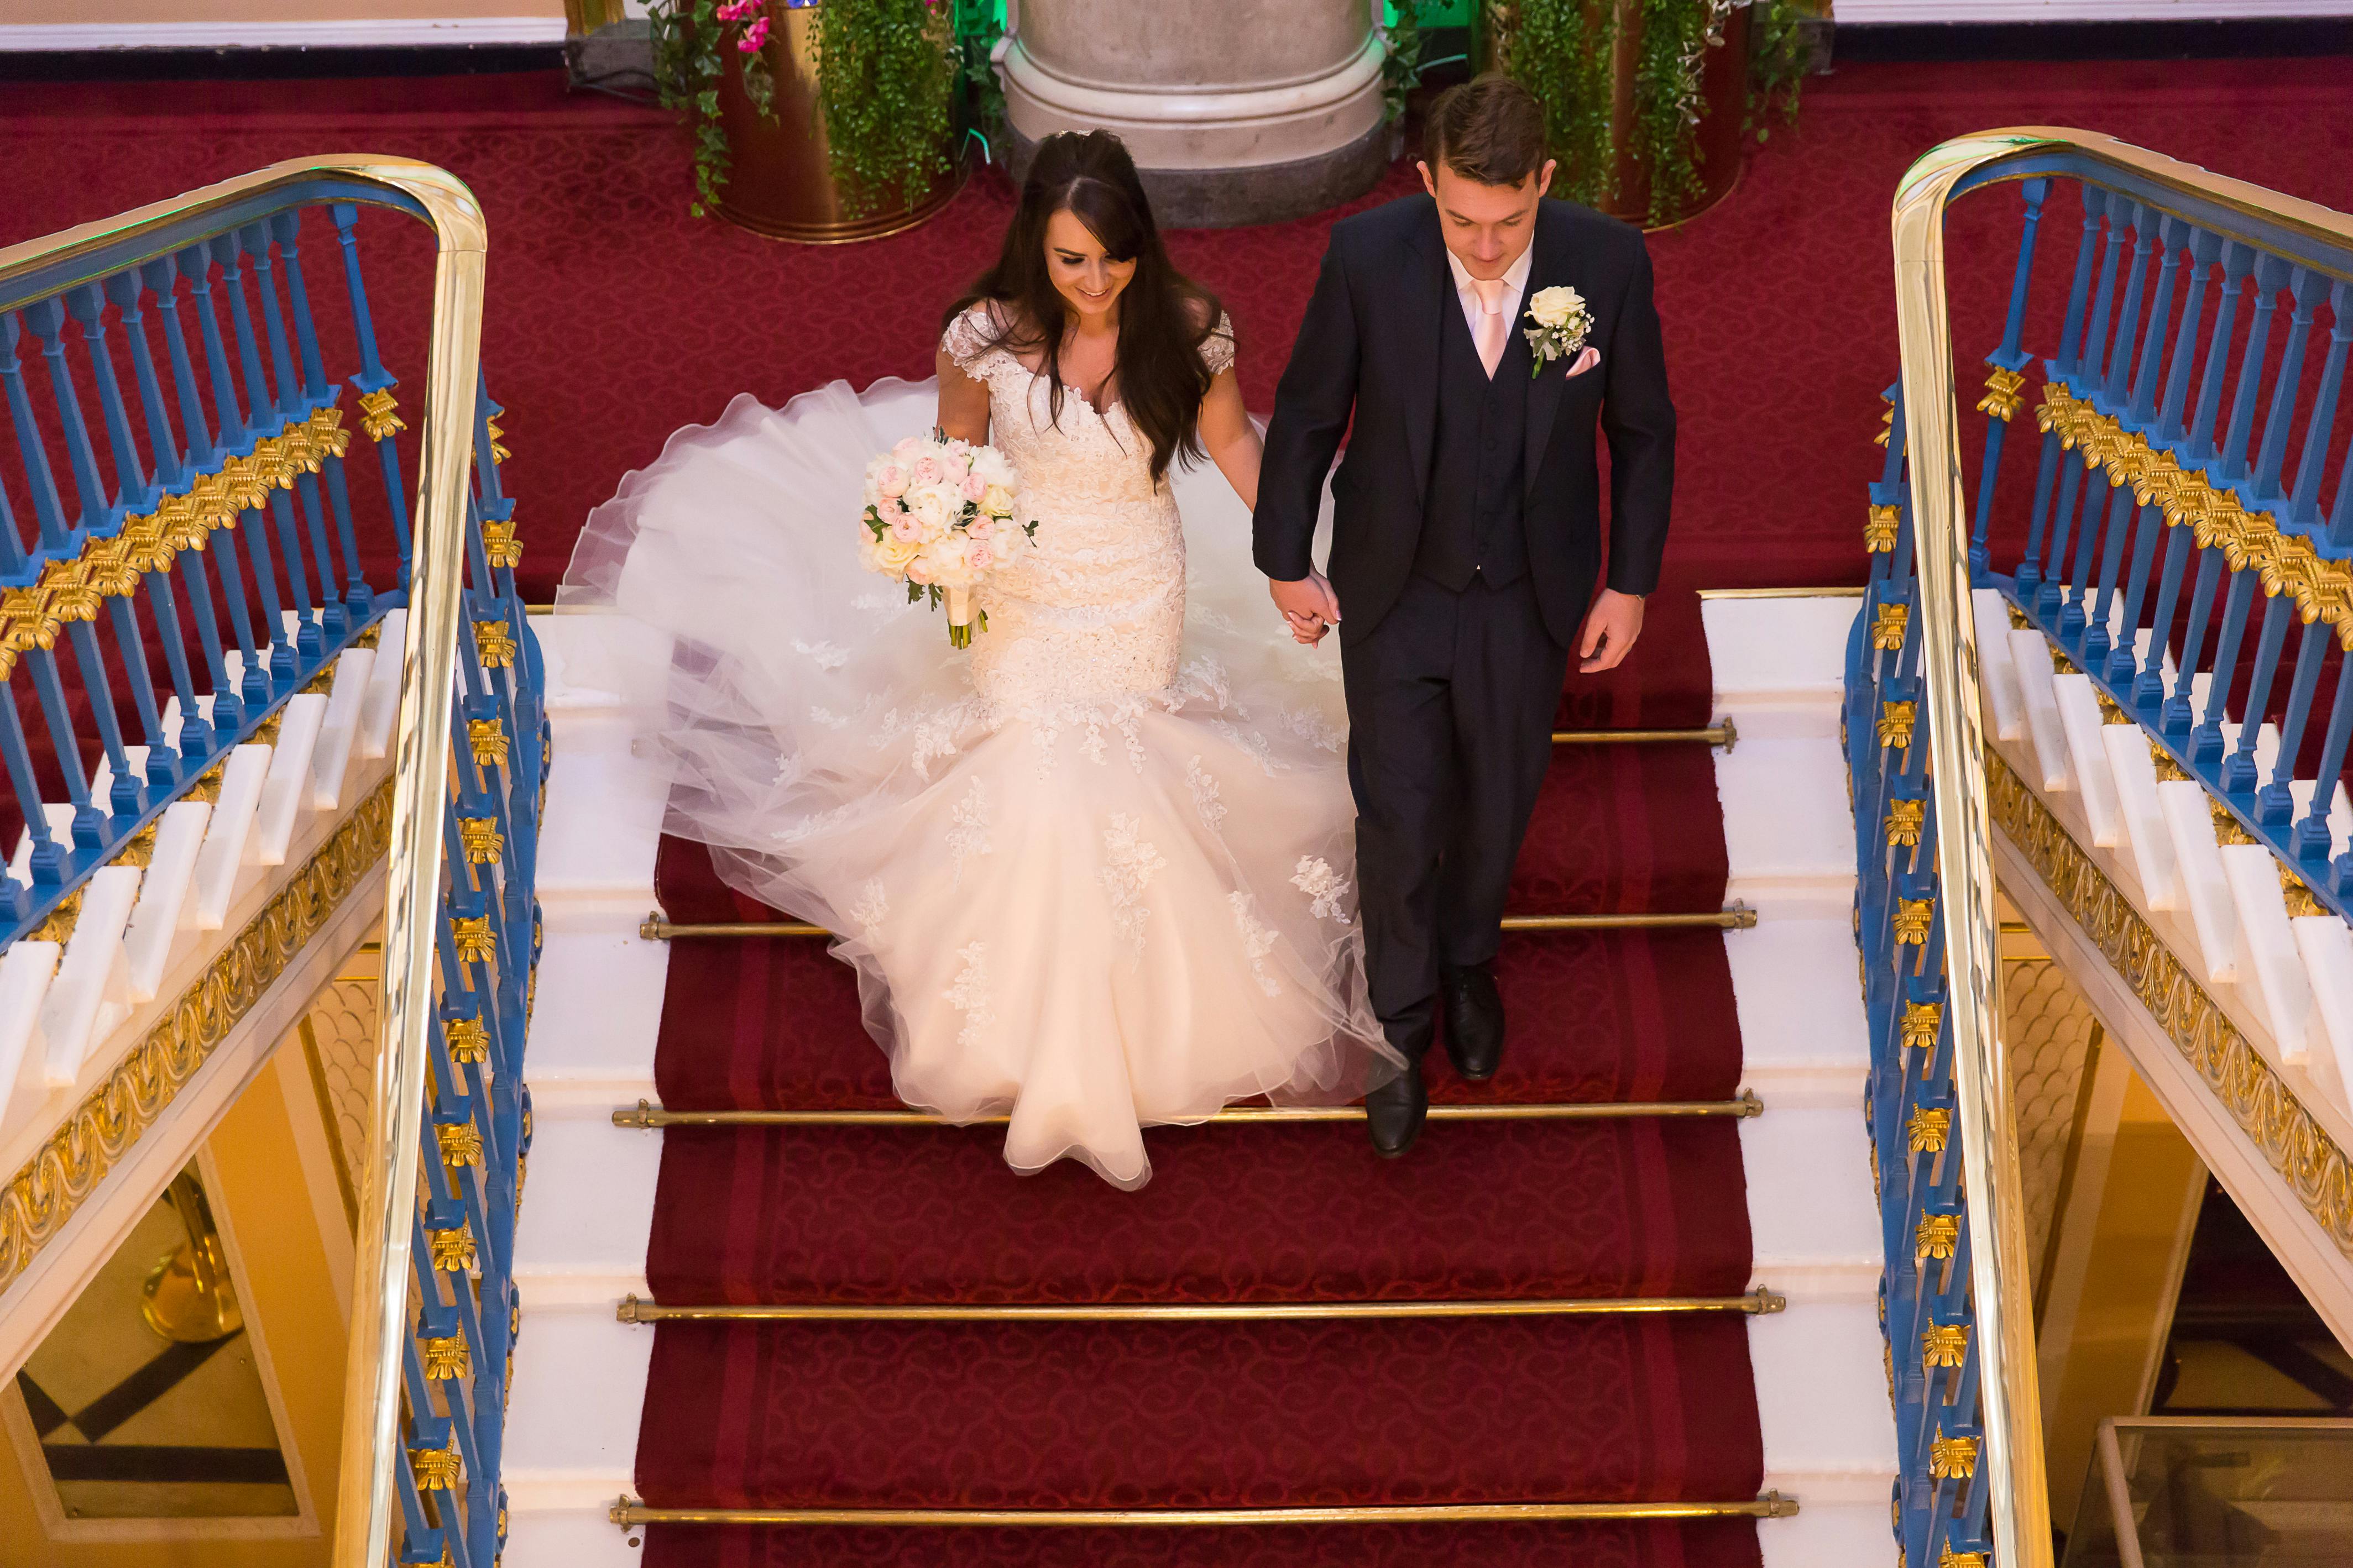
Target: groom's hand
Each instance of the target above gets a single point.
(1308, 605)
(1610, 628)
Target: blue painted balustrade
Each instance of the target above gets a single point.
(196, 519)
(2176, 516)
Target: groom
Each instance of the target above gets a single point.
(1466, 538)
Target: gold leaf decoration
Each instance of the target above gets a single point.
(1887, 626)
(1926, 1129)
(1904, 818)
(446, 1358)
(1944, 1344)
(453, 1250)
(479, 839)
(1912, 919)
(1952, 1458)
(1895, 721)
(1936, 1236)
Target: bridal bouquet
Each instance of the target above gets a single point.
(939, 517)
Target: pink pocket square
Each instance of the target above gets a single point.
(1586, 359)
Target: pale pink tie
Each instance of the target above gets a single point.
(1494, 327)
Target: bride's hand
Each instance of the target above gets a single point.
(1307, 629)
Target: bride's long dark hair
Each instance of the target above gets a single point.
(1164, 316)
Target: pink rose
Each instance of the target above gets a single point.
(905, 526)
(927, 471)
(892, 482)
(919, 569)
(975, 486)
(979, 556)
(981, 526)
(907, 448)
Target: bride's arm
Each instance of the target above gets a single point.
(1229, 437)
(964, 405)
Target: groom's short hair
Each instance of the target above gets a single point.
(1489, 129)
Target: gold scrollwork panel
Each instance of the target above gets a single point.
(2315, 1168)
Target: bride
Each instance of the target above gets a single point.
(1097, 876)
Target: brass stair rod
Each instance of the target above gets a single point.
(1757, 1302)
(1723, 732)
(629, 1514)
(656, 927)
(645, 1114)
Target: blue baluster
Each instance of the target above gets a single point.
(2116, 382)
(308, 644)
(2274, 804)
(2303, 505)
(2204, 247)
(49, 512)
(252, 687)
(2304, 290)
(46, 318)
(318, 392)
(374, 384)
(2206, 740)
(2085, 374)
(2239, 767)
(2314, 837)
(2237, 260)
(238, 437)
(293, 408)
(2230, 466)
(2148, 684)
(2006, 358)
(48, 864)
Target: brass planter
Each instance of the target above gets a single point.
(1724, 97)
(780, 181)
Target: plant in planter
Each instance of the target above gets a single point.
(887, 75)
(1629, 85)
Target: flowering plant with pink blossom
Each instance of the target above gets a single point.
(891, 78)
(939, 517)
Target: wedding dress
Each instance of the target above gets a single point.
(1094, 875)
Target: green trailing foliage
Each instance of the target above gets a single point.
(1563, 50)
(885, 79)
(1400, 57)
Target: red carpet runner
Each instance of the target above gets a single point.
(1243, 1415)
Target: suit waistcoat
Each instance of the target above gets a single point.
(1472, 520)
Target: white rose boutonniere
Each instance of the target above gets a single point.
(1561, 325)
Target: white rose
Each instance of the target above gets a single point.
(927, 509)
(1555, 307)
(990, 464)
(893, 554)
(997, 501)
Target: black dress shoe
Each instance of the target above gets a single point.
(1394, 1112)
(1474, 1021)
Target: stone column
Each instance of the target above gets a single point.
(1237, 110)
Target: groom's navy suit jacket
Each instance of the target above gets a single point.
(1369, 349)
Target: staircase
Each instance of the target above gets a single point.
(778, 1318)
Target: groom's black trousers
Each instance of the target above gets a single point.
(1451, 706)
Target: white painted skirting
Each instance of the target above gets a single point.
(407, 32)
(1867, 11)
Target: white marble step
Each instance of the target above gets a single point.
(27, 972)
(331, 756)
(1788, 677)
(162, 913)
(1788, 831)
(91, 992)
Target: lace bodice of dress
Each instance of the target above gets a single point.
(1095, 609)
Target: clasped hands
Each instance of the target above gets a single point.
(1310, 609)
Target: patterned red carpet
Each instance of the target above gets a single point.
(614, 318)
